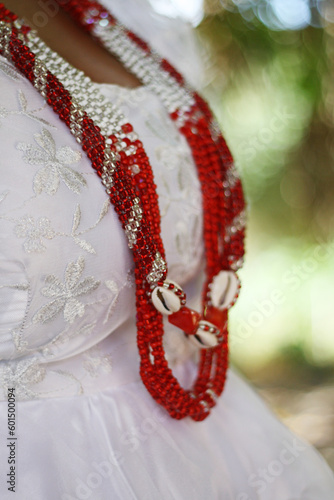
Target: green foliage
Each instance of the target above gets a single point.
(276, 107)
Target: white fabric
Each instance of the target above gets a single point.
(86, 427)
(70, 280)
(172, 38)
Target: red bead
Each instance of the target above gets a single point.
(216, 316)
(127, 128)
(186, 319)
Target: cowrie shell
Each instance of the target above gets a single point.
(165, 300)
(205, 336)
(224, 289)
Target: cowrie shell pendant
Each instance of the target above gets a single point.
(207, 335)
(224, 289)
(168, 298)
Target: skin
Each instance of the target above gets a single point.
(74, 44)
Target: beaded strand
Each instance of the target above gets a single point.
(118, 157)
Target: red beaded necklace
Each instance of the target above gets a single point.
(118, 157)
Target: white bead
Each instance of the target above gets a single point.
(204, 338)
(224, 289)
(165, 300)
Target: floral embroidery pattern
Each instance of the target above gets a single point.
(23, 103)
(115, 290)
(22, 375)
(3, 195)
(55, 164)
(26, 373)
(18, 286)
(65, 294)
(52, 347)
(10, 71)
(72, 303)
(76, 223)
(162, 127)
(95, 361)
(3, 112)
(33, 231)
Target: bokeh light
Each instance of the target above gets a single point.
(292, 14)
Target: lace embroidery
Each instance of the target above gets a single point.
(19, 343)
(55, 164)
(34, 231)
(162, 128)
(50, 350)
(23, 103)
(3, 195)
(26, 373)
(64, 294)
(22, 375)
(18, 286)
(3, 112)
(10, 71)
(76, 222)
(125, 97)
(95, 361)
(15, 330)
(115, 289)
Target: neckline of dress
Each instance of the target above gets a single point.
(84, 75)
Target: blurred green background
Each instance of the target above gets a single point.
(269, 78)
(270, 82)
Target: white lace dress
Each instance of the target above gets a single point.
(86, 427)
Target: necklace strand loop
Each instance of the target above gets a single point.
(119, 159)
